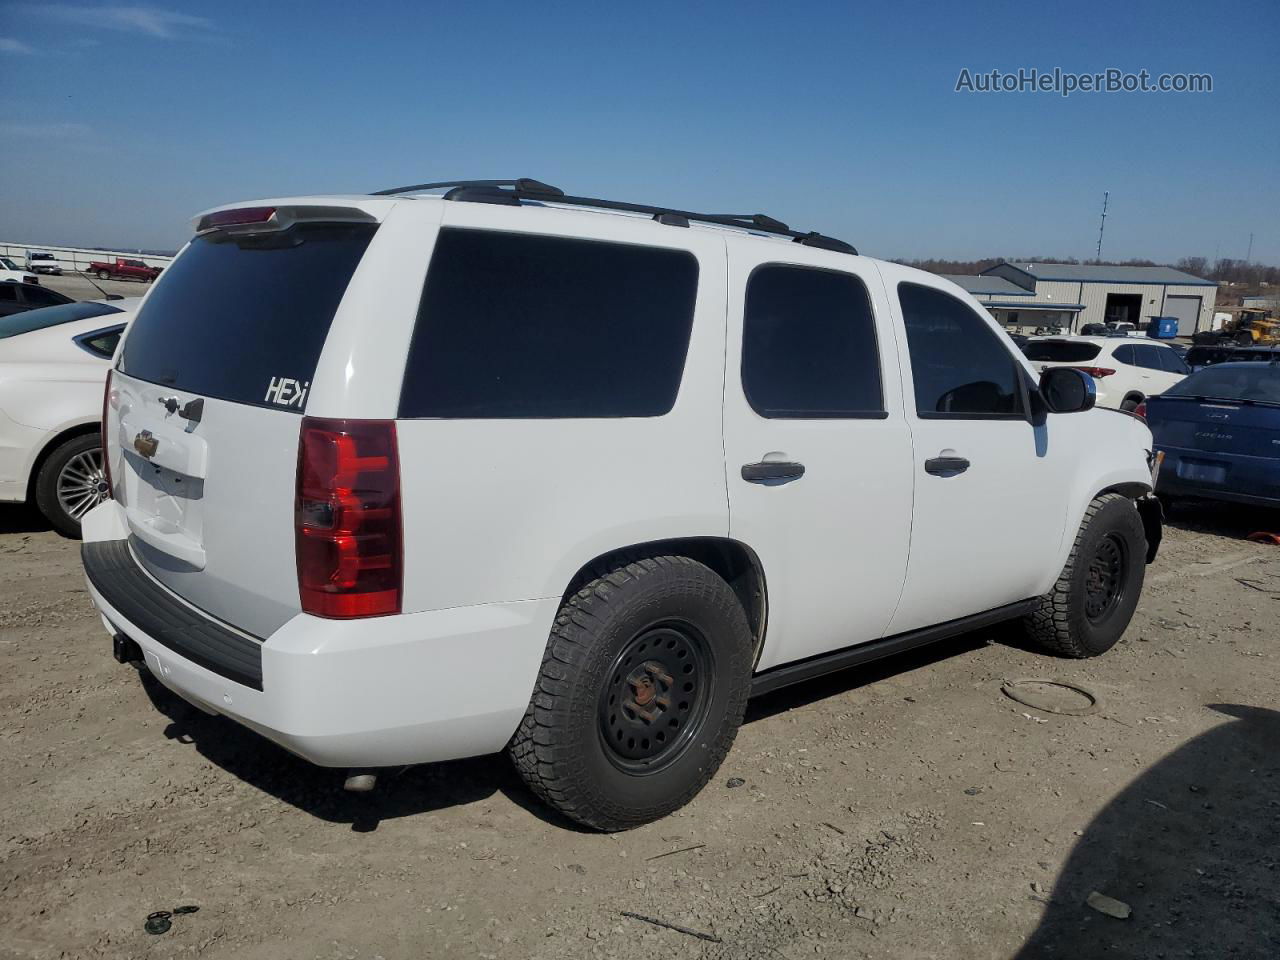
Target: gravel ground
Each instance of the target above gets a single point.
(906, 810)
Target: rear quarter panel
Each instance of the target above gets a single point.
(501, 510)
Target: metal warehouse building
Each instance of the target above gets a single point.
(1072, 294)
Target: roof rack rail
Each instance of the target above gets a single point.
(513, 191)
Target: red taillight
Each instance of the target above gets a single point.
(106, 451)
(1096, 372)
(1140, 411)
(347, 518)
(232, 218)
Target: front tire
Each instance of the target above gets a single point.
(642, 688)
(1094, 598)
(71, 482)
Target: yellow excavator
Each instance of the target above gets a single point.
(1250, 327)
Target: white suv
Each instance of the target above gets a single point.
(1127, 369)
(404, 478)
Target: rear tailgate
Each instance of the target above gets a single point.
(206, 405)
(1218, 443)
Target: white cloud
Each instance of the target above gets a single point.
(45, 131)
(151, 21)
(10, 45)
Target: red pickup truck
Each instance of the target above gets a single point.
(123, 269)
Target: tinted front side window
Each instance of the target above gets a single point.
(515, 325)
(809, 345)
(1148, 357)
(1170, 362)
(960, 367)
(235, 317)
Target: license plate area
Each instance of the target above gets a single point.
(1202, 471)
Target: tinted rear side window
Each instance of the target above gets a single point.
(1060, 351)
(235, 317)
(809, 345)
(523, 326)
(959, 365)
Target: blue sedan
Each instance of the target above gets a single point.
(1217, 434)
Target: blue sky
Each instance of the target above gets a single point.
(123, 120)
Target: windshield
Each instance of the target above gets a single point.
(52, 316)
(1060, 351)
(1259, 383)
(9, 264)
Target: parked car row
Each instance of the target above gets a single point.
(1126, 370)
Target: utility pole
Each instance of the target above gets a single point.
(1103, 225)
(1248, 257)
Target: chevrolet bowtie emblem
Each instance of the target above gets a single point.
(146, 444)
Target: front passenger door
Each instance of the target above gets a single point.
(991, 489)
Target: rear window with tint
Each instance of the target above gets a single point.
(245, 318)
(523, 326)
(1063, 351)
(1260, 384)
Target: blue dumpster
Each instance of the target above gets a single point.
(1163, 328)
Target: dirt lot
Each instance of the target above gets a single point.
(908, 810)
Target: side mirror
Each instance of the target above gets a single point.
(1067, 390)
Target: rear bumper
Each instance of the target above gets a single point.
(378, 692)
(1254, 481)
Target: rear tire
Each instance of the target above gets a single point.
(104, 275)
(642, 688)
(71, 483)
(1094, 598)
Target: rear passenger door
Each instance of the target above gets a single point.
(990, 489)
(818, 455)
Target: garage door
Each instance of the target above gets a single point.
(1187, 310)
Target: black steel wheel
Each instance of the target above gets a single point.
(1105, 579)
(656, 697)
(643, 685)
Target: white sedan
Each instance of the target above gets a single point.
(53, 370)
(1126, 369)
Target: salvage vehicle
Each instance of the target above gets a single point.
(1217, 434)
(124, 269)
(405, 477)
(43, 263)
(53, 364)
(1126, 372)
(22, 297)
